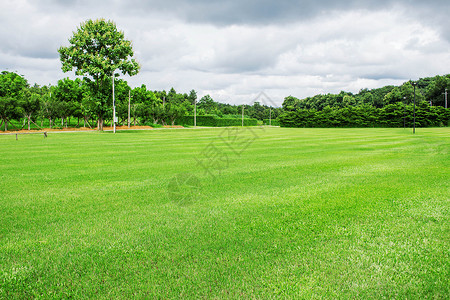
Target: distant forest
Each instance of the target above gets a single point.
(430, 89)
(389, 106)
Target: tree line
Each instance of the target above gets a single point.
(56, 105)
(392, 115)
(99, 53)
(389, 106)
(430, 89)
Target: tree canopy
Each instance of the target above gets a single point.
(98, 49)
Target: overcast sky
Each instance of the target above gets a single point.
(233, 50)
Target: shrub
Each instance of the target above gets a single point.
(214, 121)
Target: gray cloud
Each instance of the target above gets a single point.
(254, 12)
(263, 12)
(235, 49)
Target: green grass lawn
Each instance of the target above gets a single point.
(274, 213)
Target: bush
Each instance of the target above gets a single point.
(273, 122)
(367, 116)
(214, 121)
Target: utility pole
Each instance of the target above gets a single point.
(414, 123)
(242, 115)
(445, 98)
(129, 108)
(195, 113)
(114, 104)
(404, 112)
(270, 116)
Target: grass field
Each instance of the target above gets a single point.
(219, 213)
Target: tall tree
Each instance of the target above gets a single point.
(30, 104)
(69, 94)
(11, 84)
(8, 110)
(48, 108)
(98, 49)
(11, 88)
(207, 103)
(192, 97)
(436, 89)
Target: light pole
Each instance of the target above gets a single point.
(414, 84)
(270, 116)
(445, 98)
(195, 113)
(404, 112)
(114, 104)
(129, 108)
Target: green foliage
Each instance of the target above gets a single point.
(98, 50)
(30, 104)
(9, 109)
(142, 95)
(428, 89)
(207, 104)
(92, 101)
(68, 90)
(173, 112)
(122, 92)
(11, 84)
(368, 116)
(435, 89)
(403, 93)
(214, 121)
(382, 107)
(272, 122)
(192, 97)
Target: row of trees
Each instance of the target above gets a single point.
(389, 106)
(391, 115)
(429, 89)
(75, 99)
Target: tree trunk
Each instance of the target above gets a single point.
(29, 121)
(62, 122)
(87, 121)
(6, 125)
(50, 122)
(100, 124)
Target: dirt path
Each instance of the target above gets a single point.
(85, 129)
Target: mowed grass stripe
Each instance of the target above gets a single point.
(300, 213)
